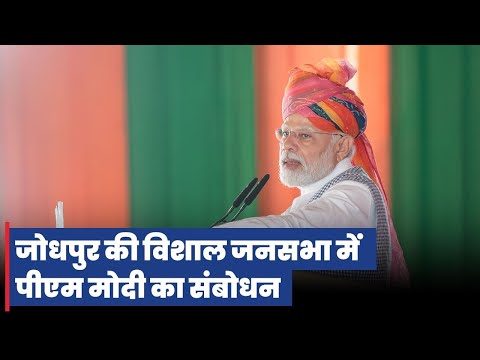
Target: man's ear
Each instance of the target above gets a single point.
(343, 147)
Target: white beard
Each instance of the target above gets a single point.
(306, 175)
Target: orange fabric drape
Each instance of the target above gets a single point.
(63, 136)
(272, 63)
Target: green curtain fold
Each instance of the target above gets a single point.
(191, 119)
(435, 162)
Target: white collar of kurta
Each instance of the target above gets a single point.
(343, 165)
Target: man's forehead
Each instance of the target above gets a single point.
(297, 120)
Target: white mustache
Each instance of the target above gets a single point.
(292, 156)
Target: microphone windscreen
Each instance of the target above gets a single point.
(239, 199)
(257, 189)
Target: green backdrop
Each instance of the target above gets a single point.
(191, 132)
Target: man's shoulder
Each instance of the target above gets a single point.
(349, 191)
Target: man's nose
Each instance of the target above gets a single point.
(290, 143)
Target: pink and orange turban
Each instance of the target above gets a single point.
(318, 92)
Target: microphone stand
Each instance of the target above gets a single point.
(252, 195)
(238, 200)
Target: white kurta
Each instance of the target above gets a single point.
(346, 204)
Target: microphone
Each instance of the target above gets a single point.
(252, 195)
(238, 200)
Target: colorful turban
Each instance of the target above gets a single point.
(318, 92)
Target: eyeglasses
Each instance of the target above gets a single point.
(305, 136)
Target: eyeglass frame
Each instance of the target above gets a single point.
(279, 136)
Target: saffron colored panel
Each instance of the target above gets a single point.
(62, 136)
